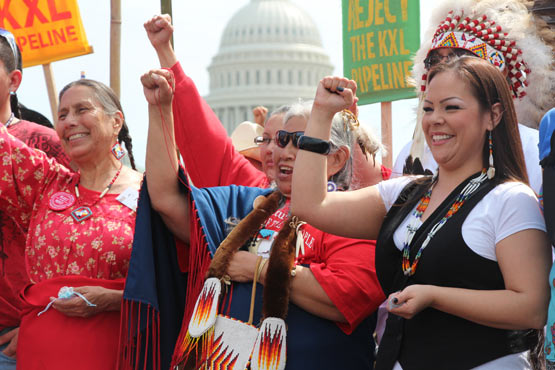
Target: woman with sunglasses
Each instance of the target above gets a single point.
(13, 274)
(462, 255)
(326, 287)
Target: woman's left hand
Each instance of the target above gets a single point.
(104, 299)
(241, 267)
(410, 301)
(158, 86)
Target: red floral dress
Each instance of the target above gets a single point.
(62, 251)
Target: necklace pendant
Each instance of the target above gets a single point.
(81, 213)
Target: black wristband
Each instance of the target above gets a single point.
(314, 145)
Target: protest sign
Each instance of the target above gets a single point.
(380, 37)
(45, 30)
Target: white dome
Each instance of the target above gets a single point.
(270, 21)
(270, 54)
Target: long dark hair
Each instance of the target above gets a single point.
(489, 86)
(111, 104)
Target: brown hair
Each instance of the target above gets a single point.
(489, 86)
(111, 104)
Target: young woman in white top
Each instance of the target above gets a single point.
(463, 256)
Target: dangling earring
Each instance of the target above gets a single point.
(331, 186)
(118, 151)
(491, 169)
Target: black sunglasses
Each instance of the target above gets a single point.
(283, 137)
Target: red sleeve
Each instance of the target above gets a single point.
(24, 175)
(348, 276)
(209, 155)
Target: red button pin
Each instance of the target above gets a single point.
(61, 200)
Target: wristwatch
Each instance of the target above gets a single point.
(314, 145)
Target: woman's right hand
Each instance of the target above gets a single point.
(158, 86)
(335, 94)
(159, 30)
(10, 338)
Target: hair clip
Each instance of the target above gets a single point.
(349, 117)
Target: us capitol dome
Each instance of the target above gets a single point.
(270, 54)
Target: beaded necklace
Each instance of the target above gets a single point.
(465, 193)
(10, 121)
(83, 212)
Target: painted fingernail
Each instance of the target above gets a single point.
(340, 89)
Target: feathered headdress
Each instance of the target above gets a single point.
(504, 33)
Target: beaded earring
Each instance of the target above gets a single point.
(118, 151)
(491, 169)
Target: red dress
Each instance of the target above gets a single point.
(59, 251)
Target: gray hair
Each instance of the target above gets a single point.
(110, 103)
(300, 108)
(279, 110)
(343, 133)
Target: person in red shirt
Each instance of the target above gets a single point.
(334, 289)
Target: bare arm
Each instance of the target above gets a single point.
(161, 158)
(355, 214)
(207, 151)
(524, 259)
(306, 292)
(159, 30)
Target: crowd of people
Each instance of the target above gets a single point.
(288, 245)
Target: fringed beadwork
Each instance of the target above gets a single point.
(491, 168)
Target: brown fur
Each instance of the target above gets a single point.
(278, 275)
(245, 230)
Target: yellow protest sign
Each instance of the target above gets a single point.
(45, 30)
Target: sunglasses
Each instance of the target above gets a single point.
(261, 140)
(434, 58)
(283, 137)
(7, 35)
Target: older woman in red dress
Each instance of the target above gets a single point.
(79, 228)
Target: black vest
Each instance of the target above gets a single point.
(434, 339)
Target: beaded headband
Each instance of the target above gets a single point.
(486, 40)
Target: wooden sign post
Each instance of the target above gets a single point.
(115, 46)
(51, 88)
(387, 134)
